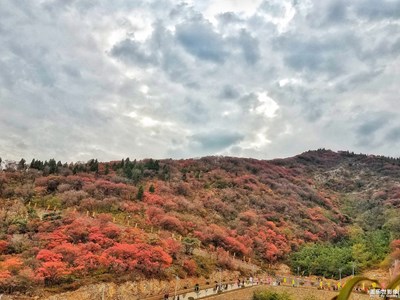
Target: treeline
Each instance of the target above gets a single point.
(361, 251)
(132, 170)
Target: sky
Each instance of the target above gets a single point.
(82, 79)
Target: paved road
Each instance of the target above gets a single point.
(206, 292)
(210, 290)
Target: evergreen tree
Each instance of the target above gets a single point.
(33, 164)
(39, 165)
(107, 170)
(136, 175)
(93, 165)
(21, 164)
(152, 189)
(52, 166)
(152, 165)
(140, 193)
(75, 169)
(127, 163)
(128, 172)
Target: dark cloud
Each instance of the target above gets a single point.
(216, 140)
(371, 124)
(322, 54)
(250, 47)
(330, 14)
(314, 113)
(369, 127)
(83, 79)
(378, 10)
(199, 39)
(358, 79)
(131, 52)
(194, 111)
(72, 71)
(229, 18)
(229, 92)
(337, 12)
(393, 135)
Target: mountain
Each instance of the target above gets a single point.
(70, 224)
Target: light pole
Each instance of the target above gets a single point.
(220, 279)
(340, 276)
(254, 274)
(298, 280)
(176, 285)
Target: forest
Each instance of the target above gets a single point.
(64, 225)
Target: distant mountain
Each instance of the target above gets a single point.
(317, 211)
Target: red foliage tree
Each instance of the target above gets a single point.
(98, 237)
(68, 251)
(3, 247)
(234, 245)
(52, 271)
(171, 223)
(12, 264)
(121, 257)
(148, 259)
(172, 247)
(190, 266)
(88, 262)
(48, 256)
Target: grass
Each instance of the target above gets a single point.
(300, 293)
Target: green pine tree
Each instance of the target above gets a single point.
(152, 189)
(107, 170)
(140, 193)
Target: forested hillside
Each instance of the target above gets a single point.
(68, 224)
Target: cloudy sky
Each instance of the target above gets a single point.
(163, 78)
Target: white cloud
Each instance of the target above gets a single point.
(257, 143)
(266, 106)
(290, 81)
(144, 89)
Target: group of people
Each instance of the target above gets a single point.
(220, 287)
(166, 297)
(249, 281)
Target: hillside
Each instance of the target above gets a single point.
(68, 225)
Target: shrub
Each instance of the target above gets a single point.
(71, 198)
(269, 295)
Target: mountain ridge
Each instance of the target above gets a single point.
(320, 204)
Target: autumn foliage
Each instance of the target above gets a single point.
(63, 223)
